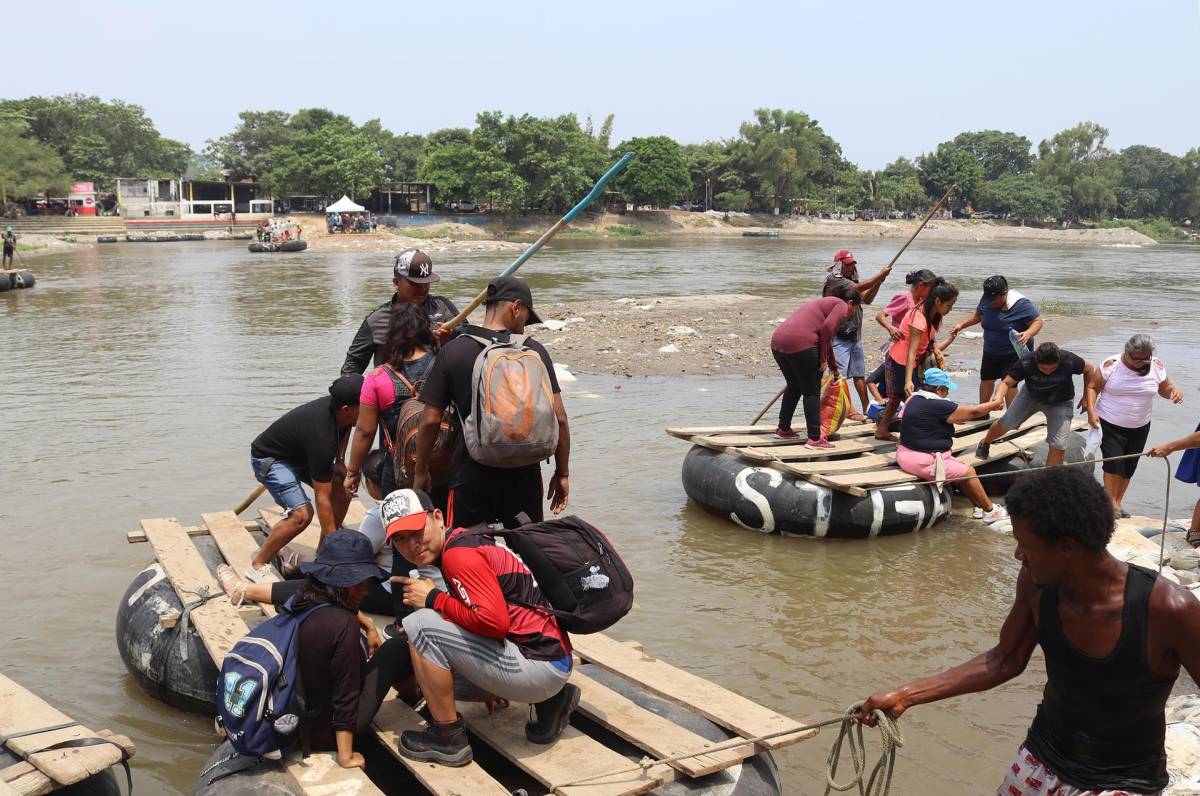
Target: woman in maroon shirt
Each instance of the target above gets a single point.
(800, 344)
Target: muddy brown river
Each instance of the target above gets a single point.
(134, 376)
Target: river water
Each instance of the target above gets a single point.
(135, 375)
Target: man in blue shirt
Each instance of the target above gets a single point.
(1001, 310)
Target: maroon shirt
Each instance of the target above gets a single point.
(812, 325)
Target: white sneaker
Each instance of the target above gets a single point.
(977, 513)
(997, 514)
(264, 574)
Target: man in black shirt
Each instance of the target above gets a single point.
(307, 445)
(1114, 636)
(479, 493)
(1050, 389)
(412, 274)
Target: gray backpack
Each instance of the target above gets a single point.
(512, 421)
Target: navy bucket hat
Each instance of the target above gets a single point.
(345, 559)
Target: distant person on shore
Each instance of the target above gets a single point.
(800, 345)
(491, 638)
(921, 282)
(525, 404)
(412, 274)
(918, 338)
(305, 446)
(1049, 388)
(410, 350)
(1188, 472)
(1001, 311)
(927, 436)
(1114, 636)
(847, 340)
(10, 246)
(1123, 393)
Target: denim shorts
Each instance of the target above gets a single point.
(850, 358)
(283, 482)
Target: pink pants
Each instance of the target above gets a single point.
(921, 464)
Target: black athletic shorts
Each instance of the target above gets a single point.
(995, 366)
(496, 495)
(1118, 441)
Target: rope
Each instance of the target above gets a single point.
(202, 596)
(1162, 545)
(890, 733)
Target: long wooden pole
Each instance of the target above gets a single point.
(253, 496)
(548, 234)
(911, 238)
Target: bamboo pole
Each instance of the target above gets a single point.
(253, 496)
(911, 238)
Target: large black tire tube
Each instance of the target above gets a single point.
(170, 664)
(22, 279)
(5, 282)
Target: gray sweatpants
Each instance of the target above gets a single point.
(483, 667)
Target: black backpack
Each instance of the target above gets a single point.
(580, 574)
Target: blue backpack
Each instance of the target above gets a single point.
(260, 700)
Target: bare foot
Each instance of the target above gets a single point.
(886, 437)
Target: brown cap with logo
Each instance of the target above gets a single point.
(415, 266)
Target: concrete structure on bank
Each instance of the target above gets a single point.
(199, 200)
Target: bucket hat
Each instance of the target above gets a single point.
(345, 559)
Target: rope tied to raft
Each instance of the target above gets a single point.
(202, 596)
(875, 785)
(1162, 542)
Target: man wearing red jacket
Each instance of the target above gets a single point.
(484, 640)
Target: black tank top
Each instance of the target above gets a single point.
(1100, 725)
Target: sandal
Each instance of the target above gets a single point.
(234, 586)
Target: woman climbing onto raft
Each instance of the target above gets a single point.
(800, 344)
(1187, 472)
(917, 333)
(408, 354)
(1127, 385)
(927, 435)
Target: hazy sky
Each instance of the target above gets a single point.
(884, 79)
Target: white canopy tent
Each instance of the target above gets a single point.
(345, 205)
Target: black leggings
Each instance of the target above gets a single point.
(802, 372)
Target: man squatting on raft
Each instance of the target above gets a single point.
(1114, 636)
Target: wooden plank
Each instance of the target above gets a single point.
(659, 736)
(686, 432)
(134, 537)
(8, 790)
(720, 705)
(571, 758)
(235, 543)
(217, 622)
(320, 775)
(21, 711)
(393, 718)
(797, 452)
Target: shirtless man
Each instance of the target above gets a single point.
(1114, 636)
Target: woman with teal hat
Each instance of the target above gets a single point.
(927, 436)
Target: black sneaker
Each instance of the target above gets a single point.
(439, 743)
(983, 450)
(552, 715)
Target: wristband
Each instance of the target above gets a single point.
(431, 598)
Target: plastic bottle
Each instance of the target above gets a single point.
(1015, 339)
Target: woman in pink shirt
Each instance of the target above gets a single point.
(1127, 385)
(917, 331)
(409, 353)
(889, 317)
(800, 345)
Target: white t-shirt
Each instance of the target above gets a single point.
(372, 528)
(1127, 399)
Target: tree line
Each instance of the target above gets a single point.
(779, 159)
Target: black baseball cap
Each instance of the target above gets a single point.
(510, 288)
(995, 286)
(415, 266)
(345, 390)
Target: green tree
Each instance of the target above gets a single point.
(100, 141)
(1025, 197)
(1077, 159)
(1150, 181)
(710, 167)
(448, 165)
(784, 152)
(246, 152)
(328, 160)
(899, 168)
(902, 193)
(998, 152)
(27, 167)
(658, 176)
(737, 201)
(1186, 206)
(951, 165)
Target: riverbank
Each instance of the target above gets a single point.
(718, 335)
(436, 238)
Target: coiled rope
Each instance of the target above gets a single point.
(877, 783)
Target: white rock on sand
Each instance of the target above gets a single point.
(670, 348)
(1183, 745)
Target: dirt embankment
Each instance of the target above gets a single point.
(435, 238)
(32, 245)
(722, 334)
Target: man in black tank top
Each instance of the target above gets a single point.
(1114, 636)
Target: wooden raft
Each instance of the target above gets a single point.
(858, 462)
(46, 772)
(574, 756)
